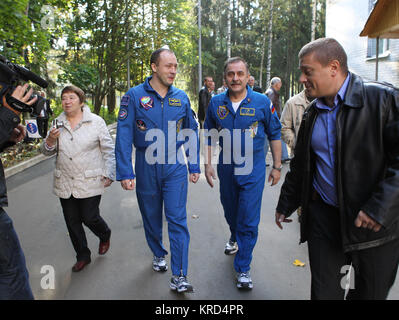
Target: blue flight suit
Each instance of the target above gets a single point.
(241, 194)
(163, 183)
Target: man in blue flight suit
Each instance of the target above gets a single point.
(248, 112)
(156, 108)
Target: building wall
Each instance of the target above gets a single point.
(345, 20)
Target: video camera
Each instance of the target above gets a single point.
(10, 76)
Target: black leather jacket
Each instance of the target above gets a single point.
(8, 121)
(367, 164)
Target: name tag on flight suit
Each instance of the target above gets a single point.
(247, 112)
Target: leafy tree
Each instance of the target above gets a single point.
(90, 42)
(83, 76)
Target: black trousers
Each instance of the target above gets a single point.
(374, 268)
(84, 211)
(14, 276)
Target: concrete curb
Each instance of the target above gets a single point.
(25, 165)
(8, 172)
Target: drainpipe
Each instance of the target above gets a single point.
(377, 49)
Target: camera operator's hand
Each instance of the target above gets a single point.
(18, 134)
(20, 94)
(52, 137)
(23, 96)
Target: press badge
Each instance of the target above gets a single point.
(32, 129)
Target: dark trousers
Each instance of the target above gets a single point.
(84, 211)
(374, 268)
(14, 277)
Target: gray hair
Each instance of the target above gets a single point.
(274, 81)
(235, 60)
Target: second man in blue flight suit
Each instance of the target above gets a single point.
(158, 109)
(241, 112)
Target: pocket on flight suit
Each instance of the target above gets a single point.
(183, 194)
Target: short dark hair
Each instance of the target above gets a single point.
(325, 51)
(234, 60)
(156, 54)
(207, 78)
(79, 92)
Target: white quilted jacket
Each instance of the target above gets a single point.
(85, 154)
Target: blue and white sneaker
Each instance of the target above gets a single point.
(230, 248)
(244, 281)
(180, 284)
(159, 264)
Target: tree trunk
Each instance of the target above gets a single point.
(158, 40)
(111, 98)
(97, 102)
(313, 27)
(262, 58)
(269, 54)
(229, 13)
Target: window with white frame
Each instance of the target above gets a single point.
(383, 44)
(383, 47)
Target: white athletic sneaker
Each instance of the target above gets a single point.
(230, 248)
(180, 284)
(159, 264)
(244, 280)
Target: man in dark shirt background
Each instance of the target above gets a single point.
(205, 96)
(253, 86)
(274, 96)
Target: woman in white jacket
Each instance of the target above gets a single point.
(85, 165)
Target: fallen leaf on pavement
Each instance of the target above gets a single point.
(298, 263)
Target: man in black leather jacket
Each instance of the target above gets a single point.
(345, 175)
(14, 278)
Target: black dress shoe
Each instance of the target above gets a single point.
(80, 265)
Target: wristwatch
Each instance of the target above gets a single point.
(278, 169)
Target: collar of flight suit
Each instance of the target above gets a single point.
(229, 105)
(148, 88)
(153, 114)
